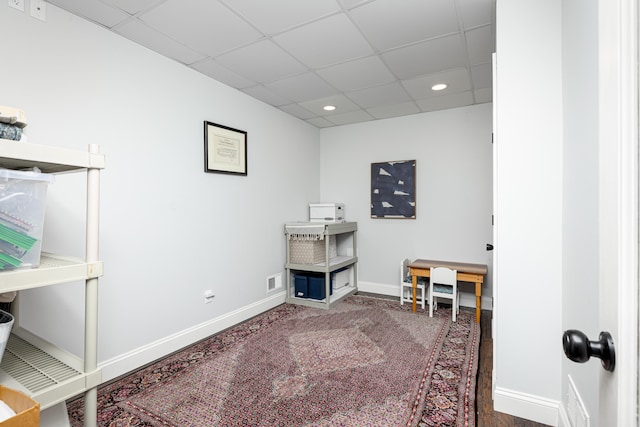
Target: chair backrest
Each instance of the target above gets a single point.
(444, 276)
(405, 274)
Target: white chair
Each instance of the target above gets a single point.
(444, 284)
(406, 286)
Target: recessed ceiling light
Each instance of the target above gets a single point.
(439, 86)
(329, 107)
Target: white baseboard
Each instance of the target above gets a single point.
(133, 360)
(466, 299)
(379, 288)
(534, 408)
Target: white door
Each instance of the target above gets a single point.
(618, 231)
(494, 209)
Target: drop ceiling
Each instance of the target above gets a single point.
(371, 59)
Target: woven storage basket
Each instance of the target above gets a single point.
(311, 251)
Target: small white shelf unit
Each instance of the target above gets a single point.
(346, 242)
(47, 373)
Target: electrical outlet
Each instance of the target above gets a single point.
(17, 4)
(208, 296)
(39, 9)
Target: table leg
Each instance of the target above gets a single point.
(414, 286)
(478, 302)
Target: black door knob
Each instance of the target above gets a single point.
(489, 247)
(578, 348)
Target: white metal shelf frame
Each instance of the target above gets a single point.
(333, 264)
(47, 373)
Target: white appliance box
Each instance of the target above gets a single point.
(342, 278)
(326, 212)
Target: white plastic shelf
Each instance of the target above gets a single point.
(336, 263)
(47, 379)
(53, 269)
(40, 369)
(338, 294)
(49, 159)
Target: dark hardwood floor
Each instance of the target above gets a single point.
(487, 417)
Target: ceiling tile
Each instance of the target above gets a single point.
(455, 100)
(93, 10)
(263, 94)
(392, 23)
(269, 18)
(481, 76)
(483, 95)
(216, 71)
(349, 4)
(138, 32)
(480, 45)
(325, 42)
(357, 74)
(350, 118)
(302, 87)
(341, 102)
(427, 58)
(298, 111)
(456, 80)
(392, 93)
(196, 29)
(132, 6)
(262, 61)
(320, 122)
(476, 12)
(396, 110)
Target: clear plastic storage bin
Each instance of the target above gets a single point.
(23, 197)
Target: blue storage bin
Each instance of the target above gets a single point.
(317, 288)
(311, 285)
(301, 286)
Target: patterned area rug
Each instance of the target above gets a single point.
(364, 362)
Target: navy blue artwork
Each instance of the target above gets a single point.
(393, 189)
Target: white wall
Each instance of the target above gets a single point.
(528, 282)
(580, 216)
(453, 154)
(169, 231)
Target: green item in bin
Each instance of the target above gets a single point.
(7, 261)
(16, 238)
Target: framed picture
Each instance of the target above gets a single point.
(393, 189)
(225, 149)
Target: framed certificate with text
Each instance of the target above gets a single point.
(225, 149)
